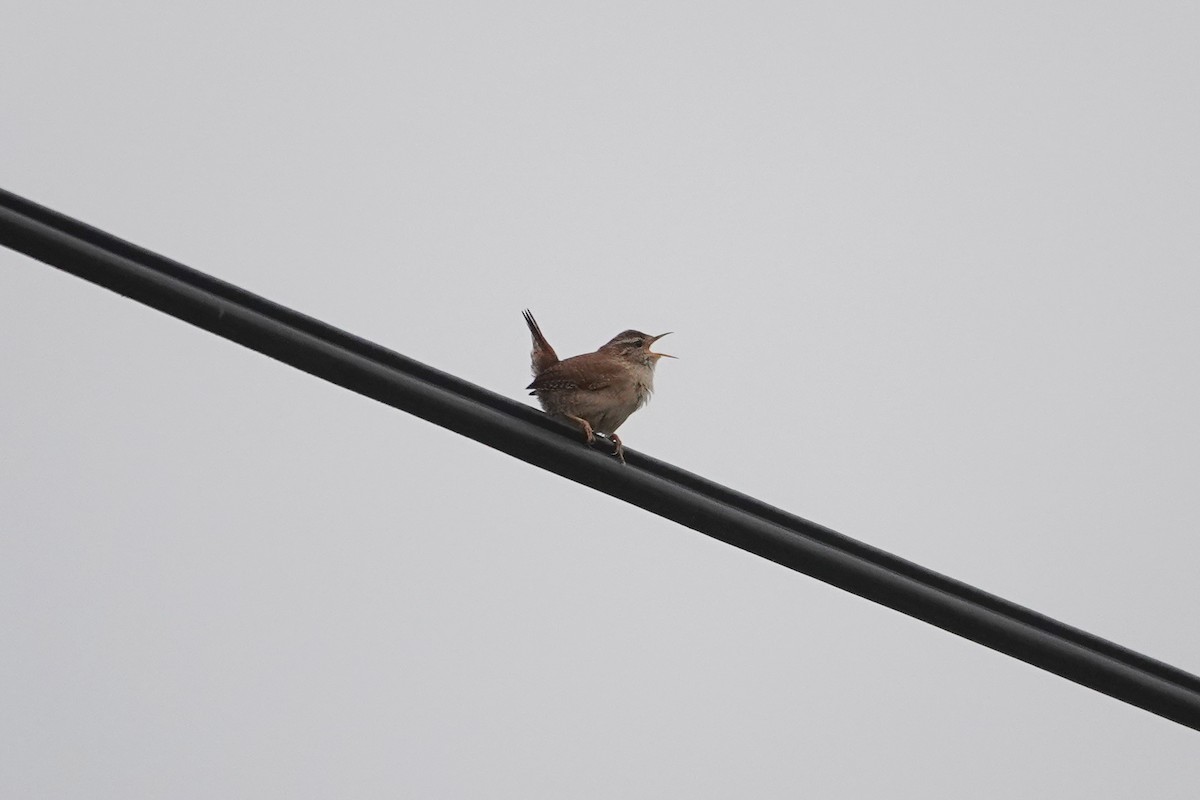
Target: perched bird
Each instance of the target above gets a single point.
(596, 391)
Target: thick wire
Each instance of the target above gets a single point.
(666, 490)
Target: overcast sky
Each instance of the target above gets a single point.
(933, 273)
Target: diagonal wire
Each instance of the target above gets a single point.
(521, 431)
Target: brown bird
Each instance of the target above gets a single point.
(596, 391)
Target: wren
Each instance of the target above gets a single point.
(595, 391)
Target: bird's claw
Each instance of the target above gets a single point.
(618, 448)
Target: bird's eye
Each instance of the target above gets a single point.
(639, 342)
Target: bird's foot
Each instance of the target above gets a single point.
(618, 448)
(585, 426)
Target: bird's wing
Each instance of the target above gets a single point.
(578, 372)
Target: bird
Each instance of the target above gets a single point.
(595, 391)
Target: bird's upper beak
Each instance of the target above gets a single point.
(655, 339)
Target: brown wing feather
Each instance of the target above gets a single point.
(577, 372)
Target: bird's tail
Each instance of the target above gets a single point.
(542, 355)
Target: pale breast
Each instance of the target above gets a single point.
(644, 388)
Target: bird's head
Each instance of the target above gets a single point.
(635, 346)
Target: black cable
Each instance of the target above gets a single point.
(661, 488)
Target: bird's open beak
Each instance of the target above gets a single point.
(655, 339)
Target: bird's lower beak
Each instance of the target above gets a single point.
(655, 339)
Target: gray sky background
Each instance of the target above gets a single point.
(932, 270)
